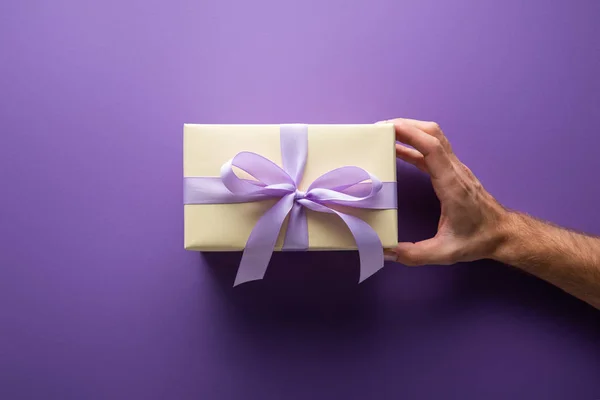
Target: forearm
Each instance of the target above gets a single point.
(567, 259)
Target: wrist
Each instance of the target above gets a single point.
(510, 230)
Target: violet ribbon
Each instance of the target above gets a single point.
(348, 186)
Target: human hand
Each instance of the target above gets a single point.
(471, 221)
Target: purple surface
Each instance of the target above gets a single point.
(98, 299)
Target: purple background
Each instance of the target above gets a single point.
(99, 300)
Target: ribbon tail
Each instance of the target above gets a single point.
(296, 235)
(261, 243)
(370, 250)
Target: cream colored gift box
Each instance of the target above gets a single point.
(226, 227)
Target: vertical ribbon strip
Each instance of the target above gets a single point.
(348, 186)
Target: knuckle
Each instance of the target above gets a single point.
(412, 258)
(434, 127)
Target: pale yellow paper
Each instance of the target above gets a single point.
(224, 227)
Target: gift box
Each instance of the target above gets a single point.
(265, 188)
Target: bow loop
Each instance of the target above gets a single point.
(345, 186)
(270, 178)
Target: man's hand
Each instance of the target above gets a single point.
(473, 225)
(471, 219)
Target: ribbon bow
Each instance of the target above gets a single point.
(348, 186)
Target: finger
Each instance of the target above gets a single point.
(426, 126)
(426, 252)
(411, 156)
(413, 136)
(431, 128)
(389, 255)
(436, 158)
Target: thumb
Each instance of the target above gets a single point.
(430, 251)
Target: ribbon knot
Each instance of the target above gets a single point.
(346, 186)
(299, 194)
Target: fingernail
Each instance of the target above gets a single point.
(382, 122)
(390, 257)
